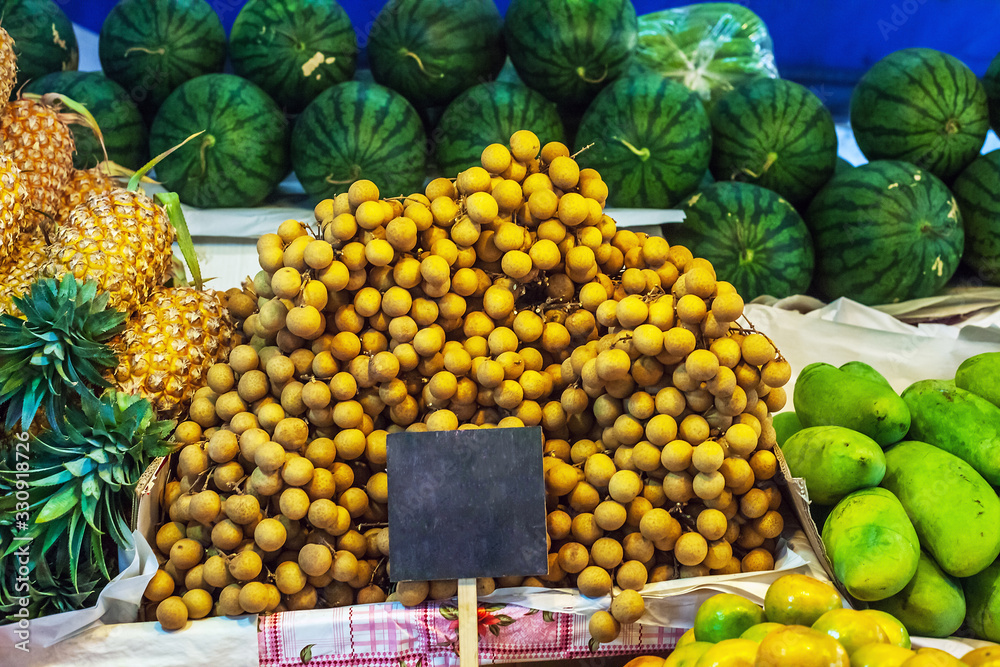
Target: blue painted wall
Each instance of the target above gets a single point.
(815, 41)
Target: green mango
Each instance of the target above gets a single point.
(932, 604)
(955, 512)
(982, 601)
(825, 395)
(871, 544)
(785, 424)
(861, 369)
(834, 461)
(957, 421)
(979, 375)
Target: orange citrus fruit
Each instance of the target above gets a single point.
(687, 655)
(982, 657)
(729, 653)
(761, 630)
(851, 628)
(725, 616)
(932, 657)
(894, 630)
(796, 599)
(880, 655)
(686, 638)
(799, 646)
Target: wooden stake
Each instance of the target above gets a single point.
(468, 623)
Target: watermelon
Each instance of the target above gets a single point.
(241, 157)
(152, 46)
(491, 113)
(359, 130)
(885, 231)
(570, 49)
(754, 237)
(842, 165)
(977, 191)
(710, 47)
(125, 134)
(432, 50)
(921, 106)
(293, 49)
(649, 138)
(44, 40)
(992, 84)
(774, 133)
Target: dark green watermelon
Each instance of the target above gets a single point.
(293, 49)
(842, 165)
(125, 136)
(44, 41)
(977, 190)
(490, 113)
(921, 106)
(359, 130)
(432, 50)
(774, 133)
(710, 47)
(754, 237)
(992, 84)
(649, 138)
(570, 49)
(885, 231)
(241, 157)
(152, 46)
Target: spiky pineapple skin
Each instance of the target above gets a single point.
(14, 205)
(21, 267)
(121, 240)
(42, 147)
(82, 185)
(8, 66)
(168, 346)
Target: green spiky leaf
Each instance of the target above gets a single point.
(57, 351)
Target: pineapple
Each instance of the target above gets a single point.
(41, 146)
(168, 347)
(122, 240)
(13, 206)
(8, 66)
(21, 268)
(84, 183)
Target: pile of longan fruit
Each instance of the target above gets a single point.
(502, 298)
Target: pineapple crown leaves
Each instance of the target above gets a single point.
(171, 203)
(57, 350)
(81, 479)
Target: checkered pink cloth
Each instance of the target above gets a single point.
(390, 635)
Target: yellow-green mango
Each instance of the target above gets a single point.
(871, 544)
(862, 369)
(979, 375)
(834, 461)
(932, 604)
(957, 421)
(954, 510)
(825, 395)
(785, 424)
(982, 603)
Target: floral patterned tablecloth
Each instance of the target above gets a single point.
(390, 635)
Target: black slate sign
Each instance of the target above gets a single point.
(466, 504)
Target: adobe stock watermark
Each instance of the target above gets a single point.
(22, 555)
(900, 14)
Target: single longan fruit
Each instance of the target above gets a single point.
(624, 486)
(496, 158)
(632, 575)
(186, 553)
(594, 582)
(558, 524)
(712, 524)
(757, 560)
(160, 587)
(775, 373)
(707, 456)
(412, 593)
(757, 349)
(172, 613)
(769, 525)
(604, 627)
(524, 145)
(690, 549)
(610, 515)
(246, 566)
(607, 553)
(573, 557)
(627, 606)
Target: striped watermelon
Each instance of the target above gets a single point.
(125, 136)
(842, 165)
(359, 130)
(432, 50)
(490, 113)
(755, 238)
(651, 141)
(44, 40)
(885, 231)
(293, 49)
(774, 133)
(977, 190)
(241, 157)
(152, 46)
(992, 84)
(570, 49)
(921, 106)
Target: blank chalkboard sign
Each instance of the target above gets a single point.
(466, 504)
